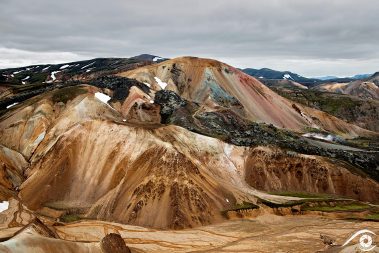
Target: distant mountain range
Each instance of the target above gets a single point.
(355, 77)
(270, 74)
(266, 73)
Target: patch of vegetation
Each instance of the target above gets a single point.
(27, 87)
(304, 195)
(328, 102)
(373, 217)
(371, 143)
(66, 94)
(67, 218)
(307, 200)
(38, 77)
(286, 204)
(332, 104)
(339, 208)
(244, 206)
(349, 108)
(241, 206)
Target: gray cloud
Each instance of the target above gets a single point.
(311, 37)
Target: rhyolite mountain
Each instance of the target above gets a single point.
(353, 101)
(366, 88)
(128, 144)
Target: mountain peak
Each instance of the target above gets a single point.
(149, 57)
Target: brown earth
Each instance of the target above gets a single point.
(276, 170)
(266, 233)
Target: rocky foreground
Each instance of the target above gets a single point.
(265, 233)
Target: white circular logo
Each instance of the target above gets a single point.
(365, 240)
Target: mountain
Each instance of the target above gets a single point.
(324, 78)
(374, 78)
(149, 57)
(360, 88)
(361, 76)
(355, 77)
(266, 73)
(217, 84)
(353, 109)
(18, 84)
(270, 74)
(135, 147)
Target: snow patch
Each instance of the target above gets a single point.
(23, 82)
(147, 84)
(9, 106)
(88, 70)
(228, 149)
(86, 66)
(287, 76)
(26, 78)
(64, 66)
(16, 72)
(160, 83)
(102, 97)
(261, 77)
(40, 137)
(328, 137)
(156, 58)
(227, 200)
(53, 75)
(4, 205)
(44, 69)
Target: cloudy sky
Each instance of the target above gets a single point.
(312, 38)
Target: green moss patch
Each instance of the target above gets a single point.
(67, 218)
(286, 204)
(373, 217)
(339, 208)
(241, 206)
(304, 195)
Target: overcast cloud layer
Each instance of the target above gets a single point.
(339, 37)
